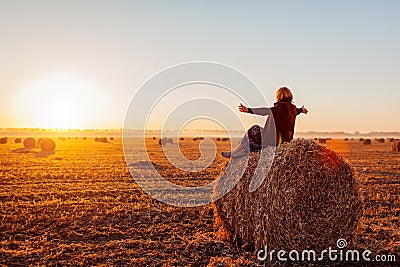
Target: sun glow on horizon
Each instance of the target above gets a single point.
(59, 102)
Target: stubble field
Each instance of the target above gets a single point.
(81, 206)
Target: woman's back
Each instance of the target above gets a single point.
(284, 113)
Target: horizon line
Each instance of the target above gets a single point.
(120, 130)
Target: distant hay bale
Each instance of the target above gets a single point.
(111, 138)
(47, 145)
(361, 139)
(154, 138)
(367, 141)
(308, 200)
(346, 139)
(3, 140)
(18, 140)
(218, 139)
(62, 138)
(390, 140)
(29, 142)
(84, 138)
(380, 140)
(195, 139)
(396, 145)
(224, 139)
(181, 138)
(322, 141)
(165, 141)
(329, 138)
(101, 139)
(315, 139)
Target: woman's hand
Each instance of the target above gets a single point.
(305, 111)
(243, 108)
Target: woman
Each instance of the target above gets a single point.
(284, 114)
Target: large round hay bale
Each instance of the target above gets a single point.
(103, 139)
(29, 142)
(47, 145)
(96, 139)
(367, 141)
(18, 140)
(308, 200)
(361, 139)
(3, 140)
(380, 140)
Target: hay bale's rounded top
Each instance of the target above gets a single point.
(29, 142)
(308, 200)
(47, 145)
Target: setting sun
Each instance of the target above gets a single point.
(59, 102)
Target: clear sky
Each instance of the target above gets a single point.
(78, 63)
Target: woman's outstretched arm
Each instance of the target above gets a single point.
(302, 110)
(256, 111)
